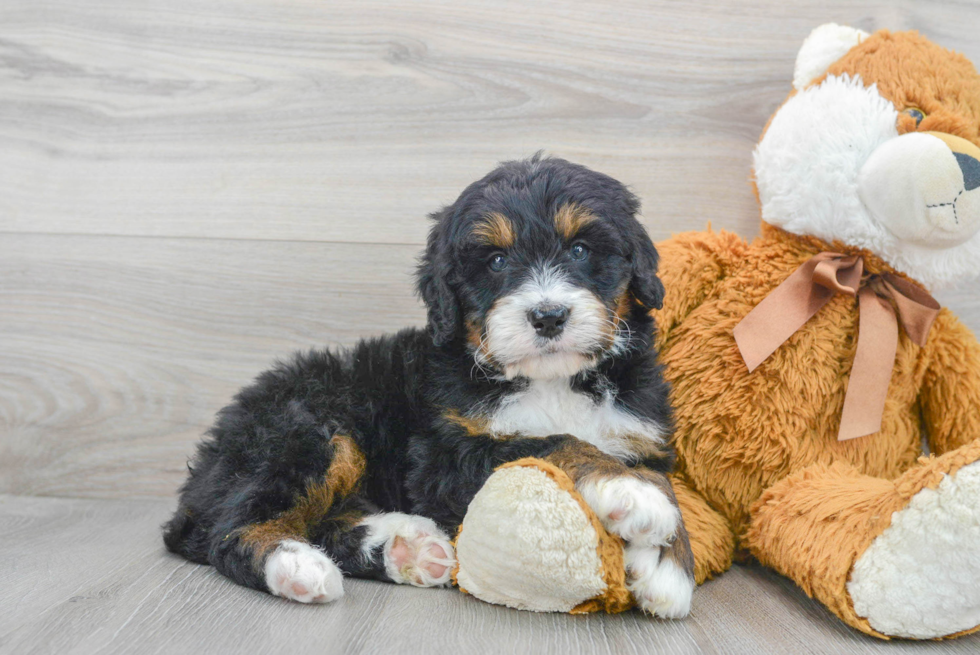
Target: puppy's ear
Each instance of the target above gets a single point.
(432, 279)
(645, 286)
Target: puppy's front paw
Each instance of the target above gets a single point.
(299, 572)
(659, 585)
(415, 550)
(635, 509)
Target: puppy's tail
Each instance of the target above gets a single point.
(183, 536)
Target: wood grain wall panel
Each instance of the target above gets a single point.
(350, 121)
(117, 351)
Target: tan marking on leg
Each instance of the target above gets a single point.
(645, 449)
(263, 537)
(579, 460)
(494, 230)
(473, 426)
(570, 218)
(345, 472)
(347, 466)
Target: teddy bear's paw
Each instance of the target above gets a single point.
(661, 587)
(636, 510)
(298, 571)
(920, 578)
(414, 550)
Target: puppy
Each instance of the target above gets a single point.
(538, 282)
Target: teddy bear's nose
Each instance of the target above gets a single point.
(971, 170)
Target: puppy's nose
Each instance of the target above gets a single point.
(548, 320)
(971, 170)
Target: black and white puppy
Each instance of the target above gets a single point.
(538, 282)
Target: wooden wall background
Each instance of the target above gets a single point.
(189, 189)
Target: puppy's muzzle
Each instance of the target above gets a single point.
(548, 320)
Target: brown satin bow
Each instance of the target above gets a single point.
(810, 287)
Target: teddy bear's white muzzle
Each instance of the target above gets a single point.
(924, 187)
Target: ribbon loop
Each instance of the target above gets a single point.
(791, 304)
(840, 274)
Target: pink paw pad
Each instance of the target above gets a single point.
(415, 549)
(421, 560)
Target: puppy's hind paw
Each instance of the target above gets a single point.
(297, 571)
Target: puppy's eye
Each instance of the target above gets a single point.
(579, 251)
(498, 262)
(916, 113)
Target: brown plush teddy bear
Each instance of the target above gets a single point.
(806, 367)
(800, 408)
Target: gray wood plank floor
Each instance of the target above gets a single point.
(190, 189)
(114, 590)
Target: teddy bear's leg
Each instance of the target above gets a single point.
(712, 541)
(892, 558)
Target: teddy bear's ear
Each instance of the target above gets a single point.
(825, 45)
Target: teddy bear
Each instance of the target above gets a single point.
(808, 367)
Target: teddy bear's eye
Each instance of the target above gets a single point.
(916, 113)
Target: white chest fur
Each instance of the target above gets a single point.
(550, 407)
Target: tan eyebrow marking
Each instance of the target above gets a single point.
(571, 218)
(495, 230)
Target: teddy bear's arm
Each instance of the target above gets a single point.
(950, 396)
(690, 264)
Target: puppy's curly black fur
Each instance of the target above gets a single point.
(538, 282)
